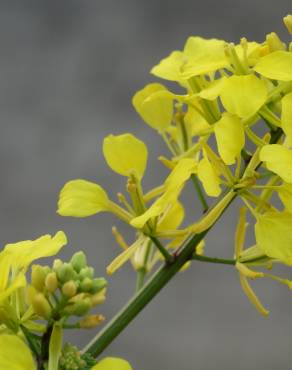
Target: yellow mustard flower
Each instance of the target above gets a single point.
(278, 159)
(229, 132)
(16, 258)
(156, 109)
(125, 154)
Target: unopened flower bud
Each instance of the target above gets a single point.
(57, 264)
(78, 261)
(51, 282)
(66, 273)
(38, 276)
(274, 42)
(98, 298)
(91, 321)
(79, 308)
(86, 272)
(41, 306)
(288, 23)
(86, 285)
(98, 285)
(69, 289)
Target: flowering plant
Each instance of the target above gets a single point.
(228, 92)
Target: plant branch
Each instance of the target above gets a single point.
(223, 261)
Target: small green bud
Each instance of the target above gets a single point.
(71, 359)
(66, 273)
(86, 272)
(51, 282)
(78, 261)
(41, 306)
(86, 285)
(38, 276)
(98, 285)
(69, 289)
(79, 308)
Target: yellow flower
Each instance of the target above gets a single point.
(125, 154)
(278, 159)
(230, 138)
(243, 95)
(112, 363)
(14, 354)
(274, 235)
(170, 67)
(276, 66)
(173, 186)
(155, 108)
(81, 198)
(18, 256)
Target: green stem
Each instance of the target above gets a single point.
(200, 193)
(141, 273)
(222, 261)
(168, 257)
(142, 298)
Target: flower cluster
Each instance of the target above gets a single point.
(229, 93)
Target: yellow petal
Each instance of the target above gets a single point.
(286, 116)
(173, 186)
(111, 363)
(278, 159)
(203, 56)
(14, 354)
(169, 68)
(155, 109)
(25, 252)
(285, 194)
(243, 95)
(273, 233)
(277, 66)
(81, 198)
(230, 137)
(18, 282)
(213, 90)
(172, 218)
(207, 175)
(125, 154)
(195, 122)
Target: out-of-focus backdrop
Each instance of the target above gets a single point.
(68, 70)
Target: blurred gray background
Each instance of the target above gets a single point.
(68, 70)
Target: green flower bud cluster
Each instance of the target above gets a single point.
(71, 359)
(66, 289)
